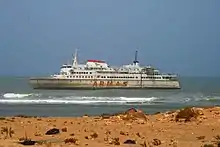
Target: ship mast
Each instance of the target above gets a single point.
(75, 63)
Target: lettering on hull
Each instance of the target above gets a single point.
(109, 84)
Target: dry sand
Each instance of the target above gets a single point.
(162, 129)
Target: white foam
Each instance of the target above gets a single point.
(55, 101)
(79, 100)
(130, 99)
(15, 95)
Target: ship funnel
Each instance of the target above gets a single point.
(135, 58)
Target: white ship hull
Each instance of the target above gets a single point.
(47, 83)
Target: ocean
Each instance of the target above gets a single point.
(18, 98)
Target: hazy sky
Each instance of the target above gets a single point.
(182, 36)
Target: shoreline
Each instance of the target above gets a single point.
(190, 126)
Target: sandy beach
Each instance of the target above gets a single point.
(188, 127)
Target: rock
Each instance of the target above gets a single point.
(200, 137)
(133, 114)
(156, 142)
(72, 134)
(105, 116)
(94, 135)
(85, 116)
(64, 129)
(124, 133)
(114, 141)
(87, 137)
(130, 141)
(37, 134)
(28, 142)
(131, 110)
(188, 113)
(173, 143)
(53, 131)
(108, 132)
(71, 140)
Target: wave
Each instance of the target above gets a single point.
(13, 98)
(15, 95)
(55, 98)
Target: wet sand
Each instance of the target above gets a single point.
(191, 127)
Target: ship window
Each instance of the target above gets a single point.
(79, 76)
(90, 72)
(136, 77)
(82, 76)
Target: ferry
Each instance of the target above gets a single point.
(97, 74)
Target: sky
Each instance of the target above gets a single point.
(176, 36)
